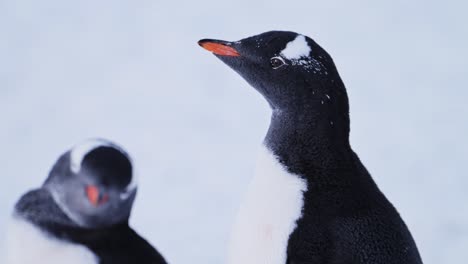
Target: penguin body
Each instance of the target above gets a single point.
(80, 214)
(272, 205)
(29, 243)
(26, 243)
(311, 199)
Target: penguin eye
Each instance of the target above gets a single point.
(277, 62)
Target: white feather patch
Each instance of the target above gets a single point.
(26, 244)
(296, 49)
(131, 186)
(81, 150)
(268, 215)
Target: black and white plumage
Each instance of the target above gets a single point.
(80, 214)
(311, 199)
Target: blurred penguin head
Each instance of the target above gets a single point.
(93, 184)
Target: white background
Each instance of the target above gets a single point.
(131, 71)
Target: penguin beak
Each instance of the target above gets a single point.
(95, 197)
(219, 47)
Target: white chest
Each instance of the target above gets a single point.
(28, 245)
(268, 215)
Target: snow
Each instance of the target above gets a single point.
(132, 72)
(296, 48)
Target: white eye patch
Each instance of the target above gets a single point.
(298, 52)
(296, 48)
(130, 188)
(81, 150)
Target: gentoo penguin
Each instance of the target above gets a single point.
(80, 214)
(311, 199)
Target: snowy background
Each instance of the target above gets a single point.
(131, 71)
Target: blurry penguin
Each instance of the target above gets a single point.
(80, 214)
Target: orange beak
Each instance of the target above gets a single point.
(218, 47)
(95, 197)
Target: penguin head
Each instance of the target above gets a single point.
(93, 184)
(290, 70)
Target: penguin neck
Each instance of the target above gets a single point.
(309, 144)
(39, 208)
